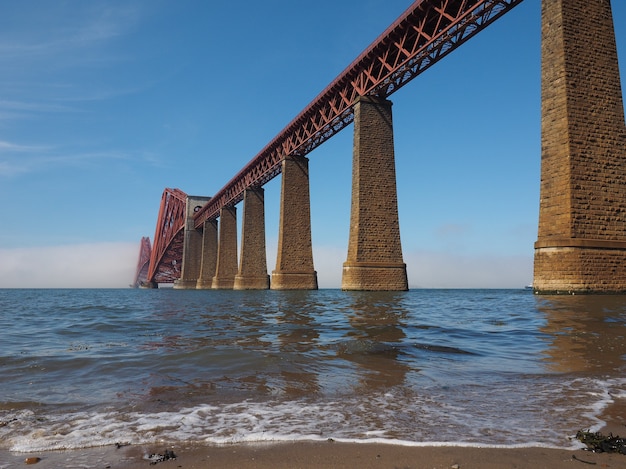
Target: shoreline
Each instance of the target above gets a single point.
(338, 455)
(309, 455)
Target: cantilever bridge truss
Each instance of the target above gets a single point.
(167, 251)
(143, 263)
(425, 33)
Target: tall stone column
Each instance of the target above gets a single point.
(209, 255)
(294, 262)
(226, 267)
(253, 260)
(374, 251)
(192, 246)
(581, 243)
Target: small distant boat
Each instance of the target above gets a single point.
(528, 287)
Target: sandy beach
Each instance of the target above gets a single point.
(332, 454)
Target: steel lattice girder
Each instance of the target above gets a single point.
(167, 252)
(422, 35)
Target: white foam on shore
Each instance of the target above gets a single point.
(549, 420)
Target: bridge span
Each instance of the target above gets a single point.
(582, 224)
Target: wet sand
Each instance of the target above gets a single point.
(308, 455)
(331, 455)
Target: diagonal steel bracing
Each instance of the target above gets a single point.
(425, 33)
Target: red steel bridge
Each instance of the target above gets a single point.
(424, 34)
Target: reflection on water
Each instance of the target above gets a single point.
(296, 337)
(376, 338)
(476, 366)
(585, 333)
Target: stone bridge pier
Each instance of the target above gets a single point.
(192, 246)
(252, 274)
(294, 260)
(374, 259)
(209, 255)
(226, 265)
(581, 243)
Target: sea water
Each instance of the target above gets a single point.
(85, 368)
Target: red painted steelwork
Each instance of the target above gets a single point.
(143, 263)
(425, 33)
(167, 252)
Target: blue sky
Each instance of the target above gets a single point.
(104, 104)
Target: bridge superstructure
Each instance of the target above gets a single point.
(424, 34)
(143, 263)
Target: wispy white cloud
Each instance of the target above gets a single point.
(102, 265)
(80, 158)
(32, 106)
(14, 109)
(16, 159)
(15, 168)
(86, 25)
(10, 147)
(47, 53)
(10, 169)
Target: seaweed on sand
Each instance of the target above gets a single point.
(599, 443)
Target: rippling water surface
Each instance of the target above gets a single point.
(82, 368)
